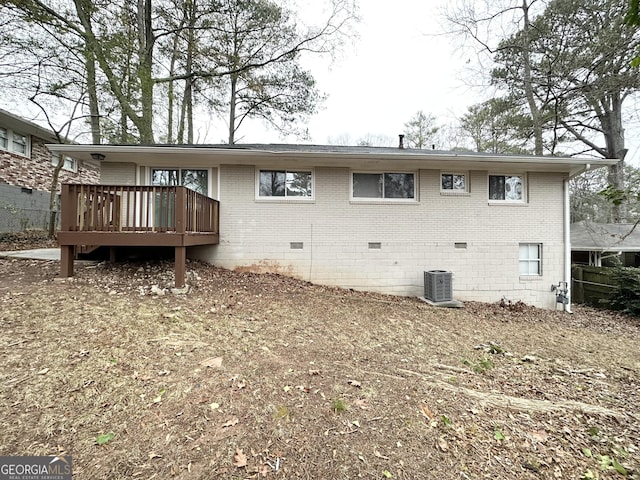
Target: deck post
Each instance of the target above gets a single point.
(66, 260)
(180, 266)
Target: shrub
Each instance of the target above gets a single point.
(627, 297)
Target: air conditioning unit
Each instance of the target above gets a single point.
(437, 286)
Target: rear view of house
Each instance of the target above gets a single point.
(364, 218)
(26, 169)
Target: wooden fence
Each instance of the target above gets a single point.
(592, 285)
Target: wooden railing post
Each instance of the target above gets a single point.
(68, 207)
(181, 209)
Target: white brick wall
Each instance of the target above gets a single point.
(256, 236)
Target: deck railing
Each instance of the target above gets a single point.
(137, 208)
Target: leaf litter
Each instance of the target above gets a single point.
(203, 389)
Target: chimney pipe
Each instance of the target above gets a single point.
(401, 138)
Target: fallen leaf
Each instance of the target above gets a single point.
(426, 411)
(287, 388)
(230, 423)
(264, 470)
(43, 371)
(154, 455)
(379, 455)
(442, 444)
(214, 406)
(214, 362)
(354, 383)
(239, 459)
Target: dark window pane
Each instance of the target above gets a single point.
(298, 184)
(164, 177)
(272, 183)
(496, 187)
(196, 180)
(367, 185)
(398, 185)
(447, 182)
(458, 182)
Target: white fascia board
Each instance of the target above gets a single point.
(165, 155)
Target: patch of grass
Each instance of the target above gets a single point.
(339, 405)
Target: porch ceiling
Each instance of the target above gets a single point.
(305, 156)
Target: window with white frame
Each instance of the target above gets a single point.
(16, 142)
(386, 185)
(279, 184)
(194, 179)
(454, 182)
(530, 259)
(70, 164)
(4, 139)
(509, 188)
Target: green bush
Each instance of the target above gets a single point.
(627, 297)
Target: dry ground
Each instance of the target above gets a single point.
(261, 376)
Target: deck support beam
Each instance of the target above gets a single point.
(67, 254)
(180, 266)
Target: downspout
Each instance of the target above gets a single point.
(567, 234)
(567, 245)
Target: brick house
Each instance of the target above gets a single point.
(26, 169)
(365, 218)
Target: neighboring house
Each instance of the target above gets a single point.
(357, 217)
(605, 244)
(26, 169)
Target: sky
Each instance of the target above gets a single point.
(400, 63)
(398, 66)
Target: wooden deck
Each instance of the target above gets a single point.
(135, 215)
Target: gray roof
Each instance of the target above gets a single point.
(605, 237)
(25, 126)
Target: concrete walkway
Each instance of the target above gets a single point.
(35, 254)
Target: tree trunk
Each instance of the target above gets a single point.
(145, 71)
(527, 81)
(614, 138)
(232, 109)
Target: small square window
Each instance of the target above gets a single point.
(530, 259)
(453, 182)
(508, 188)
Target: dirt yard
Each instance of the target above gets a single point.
(261, 376)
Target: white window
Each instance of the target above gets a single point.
(194, 179)
(509, 188)
(15, 142)
(386, 185)
(279, 184)
(70, 164)
(454, 183)
(530, 259)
